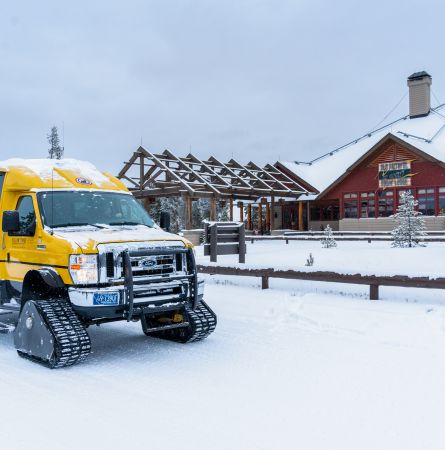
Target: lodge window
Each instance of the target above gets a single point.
(350, 202)
(367, 204)
(426, 199)
(386, 203)
(441, 201)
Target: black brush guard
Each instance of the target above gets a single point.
(130, 282)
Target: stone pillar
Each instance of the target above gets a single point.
(260, 217)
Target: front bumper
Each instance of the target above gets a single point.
(149, 298)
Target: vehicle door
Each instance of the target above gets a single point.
(22, 246)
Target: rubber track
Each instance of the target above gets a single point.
(71, 341)
(202, 323)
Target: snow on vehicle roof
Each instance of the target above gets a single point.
(63, 172)
(425, 133)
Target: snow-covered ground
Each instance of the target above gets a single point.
(376, 258)
(302, 365)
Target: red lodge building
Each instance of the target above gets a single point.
(357, 186)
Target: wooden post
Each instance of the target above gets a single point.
(260, 218)
(300, 216)
(241, 211)
(231, 209)
(272, 208)
(213, 242)
(267, 216)
(373, 292)
(249, 216)
(213, 209)
(242, 244)
(141, 173)
(264, 282)
(188, 213)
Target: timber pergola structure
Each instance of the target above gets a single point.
(150, 176)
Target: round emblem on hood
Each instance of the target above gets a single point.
(82, 180)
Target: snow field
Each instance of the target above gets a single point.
(302, 365)
(349, 257)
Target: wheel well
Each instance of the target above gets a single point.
(38, 286)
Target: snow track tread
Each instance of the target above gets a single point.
(202, 323)
(70, 338)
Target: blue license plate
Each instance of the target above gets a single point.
(106, 298)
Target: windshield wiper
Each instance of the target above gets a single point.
(76, 224)
(127, 223)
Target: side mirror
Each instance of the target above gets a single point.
(11, 221)
(165, 220)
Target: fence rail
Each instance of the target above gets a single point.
(332, 277)
(318, 237)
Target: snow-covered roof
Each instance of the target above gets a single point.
(425, 133)
(57, 173)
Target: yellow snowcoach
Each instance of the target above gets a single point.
(78, 249)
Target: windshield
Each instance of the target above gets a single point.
(76, 208)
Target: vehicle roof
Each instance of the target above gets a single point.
(26, 174)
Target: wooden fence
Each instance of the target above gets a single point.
(332, 277)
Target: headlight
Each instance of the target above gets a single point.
(83, 269)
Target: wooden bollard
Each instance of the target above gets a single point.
(373, 292)
(264, 282)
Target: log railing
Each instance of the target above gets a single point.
(372, 281)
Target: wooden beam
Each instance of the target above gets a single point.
(267, 216)
(231, 209)
(249, 216)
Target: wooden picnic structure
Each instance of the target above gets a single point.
(154, 175)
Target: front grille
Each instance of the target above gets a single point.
(109, 261)
(157, 265)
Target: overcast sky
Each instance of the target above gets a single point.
(256, 80)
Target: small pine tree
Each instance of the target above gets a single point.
(55, 151)
(411, 225)
(328, 240)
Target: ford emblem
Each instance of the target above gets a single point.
(148, 262)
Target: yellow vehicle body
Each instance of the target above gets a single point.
(20, 254)
(78, 249)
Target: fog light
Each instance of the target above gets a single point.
(29, 323)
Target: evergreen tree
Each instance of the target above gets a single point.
(55, 151)
(328, 240)
(172, 205)
(411, 225)
(222, 212)
(200, 212)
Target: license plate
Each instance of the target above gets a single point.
(106, 298)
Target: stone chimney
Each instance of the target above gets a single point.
(419, 94)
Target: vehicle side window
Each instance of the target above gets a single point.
(27, 216)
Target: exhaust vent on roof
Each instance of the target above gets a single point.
(419, 94)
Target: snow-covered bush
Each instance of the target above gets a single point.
(328, 240)
(410, 223)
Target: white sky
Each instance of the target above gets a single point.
(261, 80)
